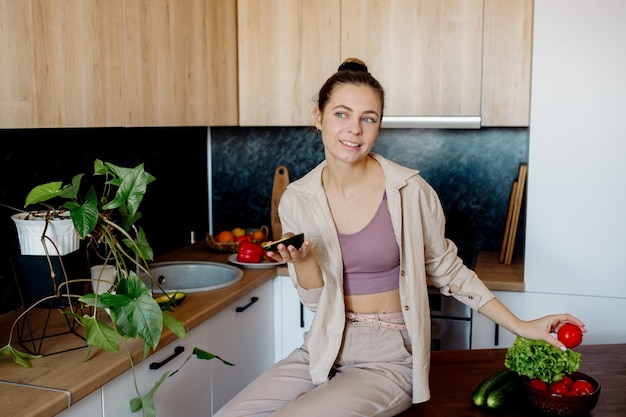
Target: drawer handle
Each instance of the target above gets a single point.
(242, 309)
(177, 351)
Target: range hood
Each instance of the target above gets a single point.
(431, 122)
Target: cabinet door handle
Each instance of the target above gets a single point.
(177, 351)
(242, 309)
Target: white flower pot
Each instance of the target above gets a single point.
(103, 277)
(60, 230)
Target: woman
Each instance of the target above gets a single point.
(374, 234)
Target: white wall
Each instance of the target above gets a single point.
(576, 206)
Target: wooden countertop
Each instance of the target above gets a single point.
(455, 374)
(59, 377)
(63, 378)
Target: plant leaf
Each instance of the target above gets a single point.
(100, 334)
(43, 192)
(174, 325)
(140, 246)
(105, 300)
(131, 190)
(141, 317)
(146, 401)
(204, 355)
(99, 168)
(85, 217)
(70, 191)
(18, 357)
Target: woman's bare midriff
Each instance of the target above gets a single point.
(384, 302)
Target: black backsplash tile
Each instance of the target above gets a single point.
(471, 170)
(178, 161)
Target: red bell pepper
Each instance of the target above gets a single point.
(250, 252)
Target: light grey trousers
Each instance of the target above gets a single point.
(371, 377)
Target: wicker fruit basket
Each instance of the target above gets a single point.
(222, 247)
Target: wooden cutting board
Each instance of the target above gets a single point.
(281, 181)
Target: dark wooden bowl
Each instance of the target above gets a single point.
(563, 405)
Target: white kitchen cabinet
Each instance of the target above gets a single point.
(575, 241)
(603, 316)
(292, 319)
(90, 406)
(486, 334)
(243, 334)
(186, 393)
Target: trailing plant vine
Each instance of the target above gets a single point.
(107, 221)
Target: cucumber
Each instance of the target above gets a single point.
(491, 383)
(505, 394)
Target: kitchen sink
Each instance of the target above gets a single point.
(191, 276)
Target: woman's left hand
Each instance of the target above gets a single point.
(544, 327)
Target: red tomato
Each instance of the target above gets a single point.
(581, 387)
(538, 384)
(558, 388)
(570, 335)
(567, 381)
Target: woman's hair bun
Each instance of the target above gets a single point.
(352, 64)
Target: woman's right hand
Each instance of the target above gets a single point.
(289, 254)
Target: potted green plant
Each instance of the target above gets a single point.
(106, 219)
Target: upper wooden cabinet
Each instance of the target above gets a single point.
(287, 48)
(181, 62)
(433, 57)
(63, 65)
(425, 53)
(100, 63)
(507, 49)
(97, 63)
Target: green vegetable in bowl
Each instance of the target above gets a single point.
(541, 360)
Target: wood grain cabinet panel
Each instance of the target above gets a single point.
(425, 53)
(17, 84)
(181, 62)
(433, 57)
(287, 48)
(66, 67)
(507, 62)
(101, 63)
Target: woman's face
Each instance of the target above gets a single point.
(350, 122)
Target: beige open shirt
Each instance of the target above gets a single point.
(418, 223)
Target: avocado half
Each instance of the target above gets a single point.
(172, 298)
(296, 241)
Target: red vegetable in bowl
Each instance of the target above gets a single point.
(538, 384)
(567, 381)
(581, 387)
(558, 388)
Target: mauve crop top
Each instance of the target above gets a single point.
(371, 257)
